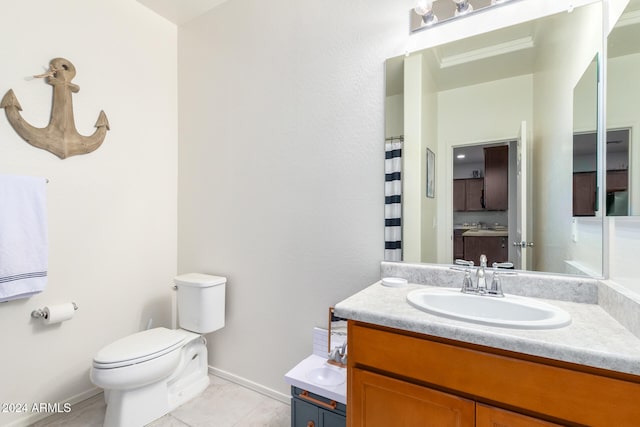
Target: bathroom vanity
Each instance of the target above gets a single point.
(407, 365)
(318, 393)
(313, 410)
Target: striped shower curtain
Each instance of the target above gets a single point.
(393, 201)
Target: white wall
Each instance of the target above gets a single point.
(111, 213)
(624, 248)
(413, 159)
(281, 183)
(419, 226)
(429, 205)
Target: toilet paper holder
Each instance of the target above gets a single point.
(41, 314)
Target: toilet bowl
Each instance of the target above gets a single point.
(148, 374)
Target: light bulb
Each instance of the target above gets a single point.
(462, 7)
(423, 7)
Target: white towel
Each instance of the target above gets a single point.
(23, 236)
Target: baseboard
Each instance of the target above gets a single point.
(35, 417)
(284, 398)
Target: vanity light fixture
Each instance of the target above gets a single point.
(424, 8)
(461, 156)
(427, 13)
(462, 7)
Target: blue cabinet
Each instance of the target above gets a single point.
(312, 410)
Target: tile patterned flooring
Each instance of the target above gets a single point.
(223, 404)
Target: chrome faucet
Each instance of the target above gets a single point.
(480, 286)
(481, 281)
(339, 354)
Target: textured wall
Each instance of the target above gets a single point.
(281, 167)
(112, 213)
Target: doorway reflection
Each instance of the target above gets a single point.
(483, 198)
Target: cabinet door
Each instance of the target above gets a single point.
(459, 194)
(617, 180)
(303, 414)
(380, 401)
(458, 244)
(331, 419)
(475, 194)
(496, 178)
(488, 416)
(495, 248)
(473, 249)
(584, 193)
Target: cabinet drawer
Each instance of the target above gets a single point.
(586, 396)
(319, 401)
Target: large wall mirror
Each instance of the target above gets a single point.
(497, 112)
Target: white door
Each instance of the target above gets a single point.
(522, 245)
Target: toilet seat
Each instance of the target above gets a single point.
(139, 347)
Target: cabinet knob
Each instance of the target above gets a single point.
(310, 424)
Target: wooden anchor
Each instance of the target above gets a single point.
(60, 137)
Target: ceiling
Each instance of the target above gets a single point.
(181, 11)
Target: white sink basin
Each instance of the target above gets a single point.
(508, 312)
(326, 376)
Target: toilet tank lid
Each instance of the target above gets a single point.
(199, 280)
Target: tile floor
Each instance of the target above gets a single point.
(223, 404)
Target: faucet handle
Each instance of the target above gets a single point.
(464, 262)
(467, 284)
(483, 260)
(502, 265)
(495, 289)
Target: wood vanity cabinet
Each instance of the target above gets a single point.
(399, 378)
(468, 194)
(496, 178)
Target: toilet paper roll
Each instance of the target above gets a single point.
(58, 313)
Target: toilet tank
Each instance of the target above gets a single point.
(200, 302)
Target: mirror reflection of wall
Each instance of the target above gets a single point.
(623, 109)
(482, 89)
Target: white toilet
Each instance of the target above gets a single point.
(150, 373)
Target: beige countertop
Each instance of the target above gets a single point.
(594, 337)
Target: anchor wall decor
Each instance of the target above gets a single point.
(60, 137)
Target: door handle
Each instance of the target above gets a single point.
(305, 396)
